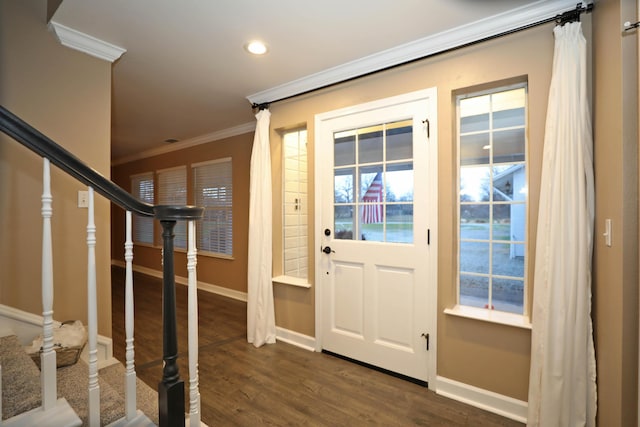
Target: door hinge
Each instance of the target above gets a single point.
(428, 124)
(426, 338)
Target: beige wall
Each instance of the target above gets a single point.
(228, 273)
(67, 96)
(615, 308)
(490, 356)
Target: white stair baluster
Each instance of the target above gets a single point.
(92, 309)
(48, 356)
(0, 394)
(130, 374)
(194, 393)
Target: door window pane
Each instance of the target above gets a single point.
(344, 185)
(381, 207)
(399, 182)
(399, 223)
(370, 145)
(343, 222)
(400, 141)
(344, 148)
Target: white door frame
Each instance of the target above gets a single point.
(432, 303)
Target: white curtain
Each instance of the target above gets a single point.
(562, 387)
(261, 324)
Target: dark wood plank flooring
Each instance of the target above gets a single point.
(276, 384)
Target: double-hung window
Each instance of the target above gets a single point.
(172, 190)
(492, 202)
(212, 182)
(142, 188)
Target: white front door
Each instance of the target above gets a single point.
(376, 208)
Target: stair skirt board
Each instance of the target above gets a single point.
(60, 415)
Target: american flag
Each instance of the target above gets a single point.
(372, 210)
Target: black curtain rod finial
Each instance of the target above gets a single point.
(574, 15)
(260, 107)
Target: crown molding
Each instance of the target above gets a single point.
(421, 48)
(191, 142)
(85, 43)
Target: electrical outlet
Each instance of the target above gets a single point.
(83, 199)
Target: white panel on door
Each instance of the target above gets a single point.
(394, 295)
(348, 299)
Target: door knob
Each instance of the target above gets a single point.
(327, 250)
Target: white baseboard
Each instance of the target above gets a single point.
(27, 326)
(484, 399)
(295, 338)
(208, 287)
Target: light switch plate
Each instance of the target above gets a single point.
(607, 232)
(83, 199)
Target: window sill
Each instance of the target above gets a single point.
(215, 255)
(492, 316)
(144, 245)
(292, 281)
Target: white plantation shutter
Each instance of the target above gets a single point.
(142, 188)
(214, 191)
(172, 190)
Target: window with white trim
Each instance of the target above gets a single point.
(492, 202)
(295, 209)
(142, 189)
(213, 188)
(172, 190)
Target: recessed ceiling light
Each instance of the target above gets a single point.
(256, 47)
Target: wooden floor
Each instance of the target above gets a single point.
(277, 384)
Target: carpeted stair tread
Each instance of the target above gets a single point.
(73, 384)
(20, 378)
(146, 397)
(21, 388)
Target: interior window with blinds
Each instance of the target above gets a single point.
(212, 182)
(172, 190)
(295, 221)
(142, 189)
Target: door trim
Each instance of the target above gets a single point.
(319, 157)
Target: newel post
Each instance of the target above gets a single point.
(171, 405)
(171, 388)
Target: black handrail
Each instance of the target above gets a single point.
(31, 138)
(171, 387)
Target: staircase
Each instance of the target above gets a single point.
(21, 391)
(79, 394)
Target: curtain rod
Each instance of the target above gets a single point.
(560, 19)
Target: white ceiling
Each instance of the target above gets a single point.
(185, 73)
